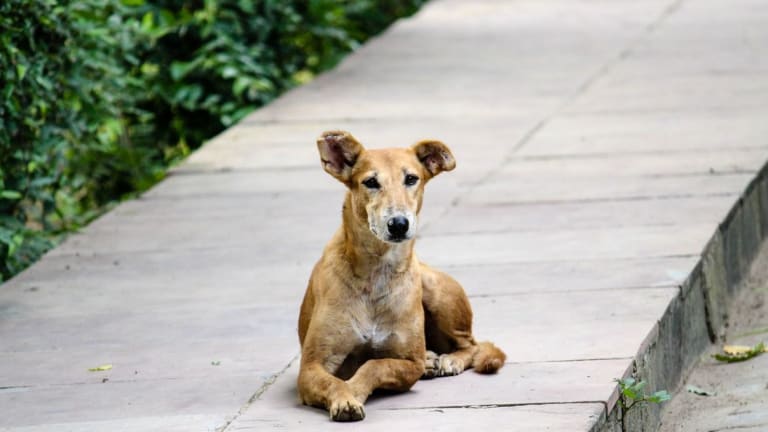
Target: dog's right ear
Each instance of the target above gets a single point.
(339, 151)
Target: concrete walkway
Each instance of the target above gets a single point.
(599, 144)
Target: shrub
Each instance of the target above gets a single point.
(64, 90)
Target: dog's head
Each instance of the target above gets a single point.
(386, 186)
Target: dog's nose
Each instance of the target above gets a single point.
(397, 227)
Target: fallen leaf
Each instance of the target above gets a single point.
(101, 368)
(739, 349)
(741, 356)
(700, 391)
(215, 363)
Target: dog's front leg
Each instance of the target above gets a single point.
(317, 387)
(388, 374)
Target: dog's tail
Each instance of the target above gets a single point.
(488, 358)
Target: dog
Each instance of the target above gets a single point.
(374, 316)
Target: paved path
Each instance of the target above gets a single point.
(599, 143)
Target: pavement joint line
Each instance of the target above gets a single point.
(191, 249)
(549, 229)
(182, 171)
(13, 388)
(257, 395)
(80, 254)
(197, 196)
(625, 153)
(491, 406)
(221, 194)
(596, 259)
(571, 360)
(468, 117)
(672, 111)
(715, 173)
(613, 199)
(113, 381)
(454, 203)
(565, 291)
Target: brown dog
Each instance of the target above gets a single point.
(372, 309)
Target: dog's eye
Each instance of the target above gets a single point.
(372, 183)
(411, 180)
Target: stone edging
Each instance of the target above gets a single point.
(694, 319)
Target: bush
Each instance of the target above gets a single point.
(64, 87)
(101, 96)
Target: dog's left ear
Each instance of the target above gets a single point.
(435, 156)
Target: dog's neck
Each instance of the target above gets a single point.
(367, 253)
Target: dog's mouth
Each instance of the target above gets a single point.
(389, 237)
(398, 239)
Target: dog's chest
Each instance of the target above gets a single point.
(379, 314)
(373, 333)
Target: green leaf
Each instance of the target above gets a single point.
(303, 76)
(101, 368)
(633, 390)
(15, 243)
(147, 21)
(10, 194)
(149, 69)
(627, 382)
(240, 84)
(659, 397)
(21, 71)
(180, 69)
(229, 72)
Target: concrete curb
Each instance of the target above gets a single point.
(695, 318)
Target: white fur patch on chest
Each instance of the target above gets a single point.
(376, 314)
(372, 333)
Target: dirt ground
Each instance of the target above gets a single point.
(740, 400)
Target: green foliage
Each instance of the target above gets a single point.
(62, 88)
(632, 392)
(100, 96)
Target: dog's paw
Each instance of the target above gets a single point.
(442, 365)
(431, 364)
(449, 365)
(346, 410)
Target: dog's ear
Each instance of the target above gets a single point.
(339, 151)
(435, 156)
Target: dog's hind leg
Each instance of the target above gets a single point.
(448, 329)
